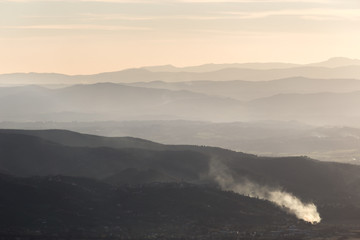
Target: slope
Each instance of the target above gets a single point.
(84, 208)
(323, 182)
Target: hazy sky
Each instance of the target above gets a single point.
(80, 37)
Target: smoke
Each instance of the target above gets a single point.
(286, 201)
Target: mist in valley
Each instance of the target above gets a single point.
(258, 139)
(293, 116)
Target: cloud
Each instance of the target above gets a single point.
(77, 27)
(83, 1)
(312, 14)
(95, 16)
(254, 1)
(318, 14)
(179, 1)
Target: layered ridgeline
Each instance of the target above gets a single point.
(118, 102)
(270, 138)
(250, 90)
(333, 68)
(325, 93)
(109, 101)
(305, 188)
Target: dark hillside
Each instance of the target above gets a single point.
(331, 186)
(85, 207)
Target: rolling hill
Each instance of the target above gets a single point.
(25, 155)
(269, 138)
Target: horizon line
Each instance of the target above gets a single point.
(179, 67)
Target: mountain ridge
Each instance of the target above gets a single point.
(330, 63)
(228, 73)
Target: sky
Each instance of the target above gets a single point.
(85, 37)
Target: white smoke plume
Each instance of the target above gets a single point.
(307, 212)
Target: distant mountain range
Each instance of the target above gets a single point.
(118, 102)
(317, 108)
(333, 68)
(330, 63)
(337, 62)
(109, 101)
(248, 90)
